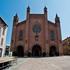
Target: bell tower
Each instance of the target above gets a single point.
(13, 38)
(57, 20)
(27, 31)
(15, 19)
(45, 12)
(28, 12)
(59, 38)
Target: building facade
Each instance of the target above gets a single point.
(36, 36)
(7, 50)
(66, 46)
(3, 32)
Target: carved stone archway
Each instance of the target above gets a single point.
(20, 51)
(36, 51)
(53, 51)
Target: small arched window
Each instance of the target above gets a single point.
(20, 35)
(52, 35)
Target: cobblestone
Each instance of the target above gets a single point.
(47, 63)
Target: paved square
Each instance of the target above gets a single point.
(47, 63)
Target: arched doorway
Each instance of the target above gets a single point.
(0, 52)
(36, 51)
(20, 51)
(53, 51)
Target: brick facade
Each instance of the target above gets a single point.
(36, 41)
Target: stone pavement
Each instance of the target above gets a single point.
(6, 59)
(47, 63)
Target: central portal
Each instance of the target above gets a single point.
(36, 51)
(20, 51)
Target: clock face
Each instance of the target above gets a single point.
(37, 28)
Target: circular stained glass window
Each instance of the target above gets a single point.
(36, 28)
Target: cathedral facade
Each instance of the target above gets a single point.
(36, 36)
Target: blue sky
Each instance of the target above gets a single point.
(8, 8)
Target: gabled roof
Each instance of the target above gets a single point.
(51, 22)
(22, 22)
(36, 15)
(68, 38)
(3, 21)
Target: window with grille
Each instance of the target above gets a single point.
(3, 30)
(2, 41)
(0, 31)
(52, 35)
(21, 35)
